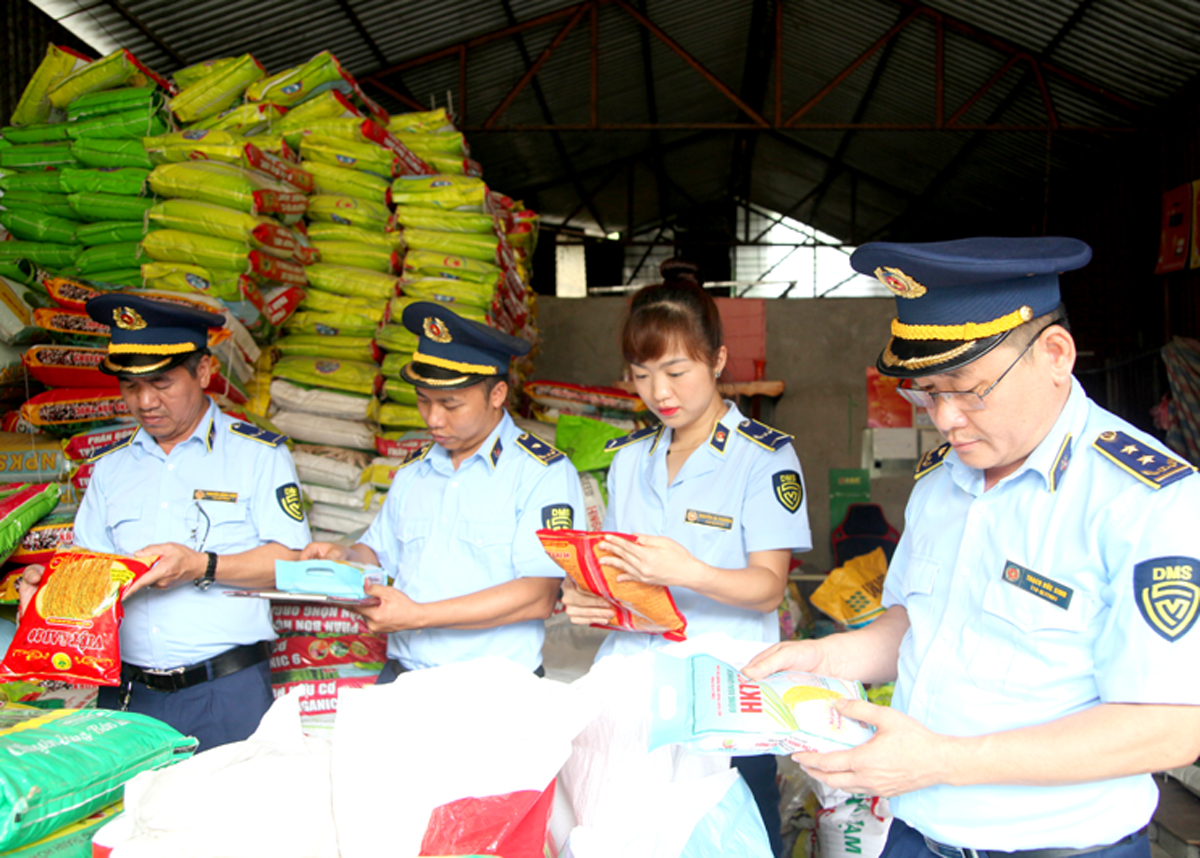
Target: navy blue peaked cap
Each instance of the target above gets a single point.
(455, 352)
(148, 336)
(957, 300)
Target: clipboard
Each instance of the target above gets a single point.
(314, 598)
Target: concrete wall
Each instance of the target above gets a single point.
(819, 348)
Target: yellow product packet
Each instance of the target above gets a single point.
(853, 593)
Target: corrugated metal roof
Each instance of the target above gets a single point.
(860, 183)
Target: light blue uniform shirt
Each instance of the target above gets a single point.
(735, 494)
(139, 496)
(444, 533)
(1024, 608)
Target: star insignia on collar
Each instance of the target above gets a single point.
(1129, 450)
(1145, 460)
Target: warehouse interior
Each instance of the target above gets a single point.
(761, 139)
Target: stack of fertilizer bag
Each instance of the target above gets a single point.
(74, 176)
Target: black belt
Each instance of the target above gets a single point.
(395, 668)
(178, 678)
(944, 851)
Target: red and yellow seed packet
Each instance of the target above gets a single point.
(69, 630)
(638, 607)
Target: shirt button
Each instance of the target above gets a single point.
(170, 467)
(454, 484)
(165, 504)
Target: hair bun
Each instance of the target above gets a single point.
(680, 271)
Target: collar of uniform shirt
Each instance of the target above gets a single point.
(439, 459)
(1044, 456)
(144, 444)
(729, 422)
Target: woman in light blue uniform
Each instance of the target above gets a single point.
(717, 500)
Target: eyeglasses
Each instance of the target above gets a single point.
(963, 400)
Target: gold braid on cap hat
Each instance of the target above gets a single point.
(890, 359)
(459, 366)
(968, 331)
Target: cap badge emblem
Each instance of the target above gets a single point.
(899, 283)
(435, 330)
(128, 319)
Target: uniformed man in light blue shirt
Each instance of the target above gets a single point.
(1042, 602)
(217, 499)
(458, 530)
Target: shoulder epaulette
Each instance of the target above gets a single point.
(539, 449)
(257, 433)
(763, 435)
(614, 444)
(931, 460)
(1148, 464)
(111, 448)
(415, 456)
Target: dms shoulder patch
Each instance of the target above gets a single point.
(415, 456)
(290, 501)
(1150, 465)
(931, 460)
(111, 448)
(763, 435)
(1167, 594)
(539, 449)
(256, 433)
(614, 444)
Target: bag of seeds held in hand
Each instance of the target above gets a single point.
(69, 630)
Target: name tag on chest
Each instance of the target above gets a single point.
(1045, 588)
(221, 497)
(709, 519)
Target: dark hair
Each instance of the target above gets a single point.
(676, 311)
(192, 362)
(489, 383)
(1026, 331)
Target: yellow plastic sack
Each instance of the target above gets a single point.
(852, 594)
(357, 282)
(421, 122)
(329, 231)
(352, 253)
(343, 181)
(34, 106)
(429, 263)
(454, 193)
(190, 75)
(172, 245)
(320, 301)
(246, 119)
(451, 143)
(108, 73)
(296, 84)
(467, 311)
(217, 91)
(351, 154)
(327, 105)
(349, 211)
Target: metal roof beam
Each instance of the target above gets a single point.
(760, 43)
(119, 7)
(357, 23)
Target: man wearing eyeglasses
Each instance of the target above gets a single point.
(1041, 604)
(216, 499)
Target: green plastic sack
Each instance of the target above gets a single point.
(173, 245)
(396, 338)
(34, 106)
(58, 205)
(396, 415)
(328, 231)
(348, 375)
(483, 248)
(467, 311)
(99, 207)
(337, 346)
(37, 156)
(45, 181)
(121, 255)
(109, 232)
(64, 765)
(185, 77)
(296, 84)
(419, 217)
(114, 101)
(373, 257)
(450, 291)
(344, 280)
(95, 152)
(441, 191)
(319, 301)
(329, 324)
(190, 279)
(349, 211)
(33, 226)
(17, 135)
(128, 277)
(396, 389)
(336, 152)
(583, 440)
(23, 272)
(108, 73)
(135, 123)
(39, 253)
(344, 182)
(124, 181)
(218, 90)
(430, 263)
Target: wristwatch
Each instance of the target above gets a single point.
(210, 573)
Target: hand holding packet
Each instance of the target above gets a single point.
(710, 707)
(637, 607)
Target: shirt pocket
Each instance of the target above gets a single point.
(1025, 641)
(123, 520)
(488, 546)
(221, 526)
(920, 574)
